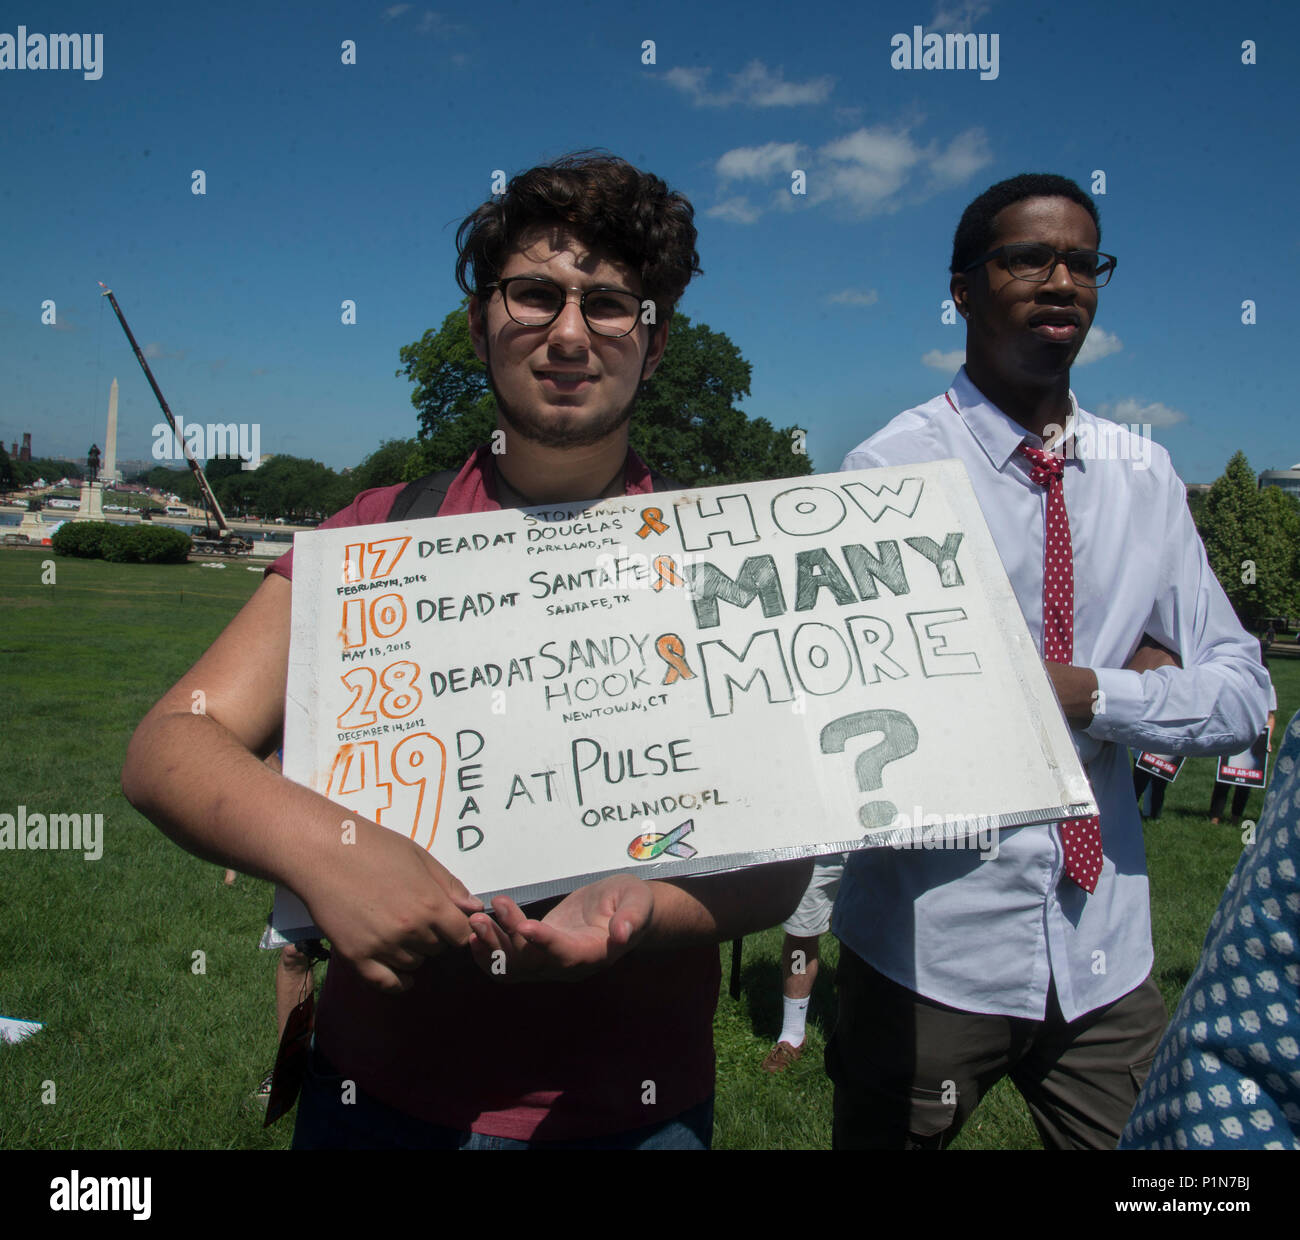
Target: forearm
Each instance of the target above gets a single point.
(204, 789)
(718, 907)
(1215, 708)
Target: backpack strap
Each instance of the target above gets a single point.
(661, 483)
(423, 497)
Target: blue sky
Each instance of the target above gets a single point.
(328, 181)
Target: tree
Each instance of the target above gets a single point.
(26, 472)
(386, 465)
(452, 396)
(1282, 517)
(686, 423)
(1251, 539)
(178, 481)
(293, 487)
(6, 470)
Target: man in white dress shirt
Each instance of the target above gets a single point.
(958, 971)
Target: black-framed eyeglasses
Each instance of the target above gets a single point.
(535, 301)
(1035, 261)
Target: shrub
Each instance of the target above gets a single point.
(88, 540)
(121, 544)
(150, 544)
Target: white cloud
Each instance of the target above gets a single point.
(871, 171)
(1130, 410)
(155, 349)
(755, 86)
(876, 169)
(738, 210)
(756, 163)
(964, 156)
(688, 81)
(854, 297)
(958, 15)
(1099, 343)
(431, 22)
(949, 363)
(866, 167)
(428, 22)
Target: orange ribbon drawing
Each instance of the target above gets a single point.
(667, 571)
(653, 518)
(672, 651)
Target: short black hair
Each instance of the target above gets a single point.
(975, 232)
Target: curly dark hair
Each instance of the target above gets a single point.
(975, 231)
(608, 203)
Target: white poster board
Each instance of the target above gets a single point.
(676, 683)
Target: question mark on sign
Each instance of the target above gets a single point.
(899, 738)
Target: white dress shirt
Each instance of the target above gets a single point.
(990, 936)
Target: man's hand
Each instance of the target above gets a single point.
(1075, 689)
(1151, 655)
(386, 905)
(1076, 686)
(587, 931)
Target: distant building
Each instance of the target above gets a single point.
(1287, 480)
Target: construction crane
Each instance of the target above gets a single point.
(225, 541)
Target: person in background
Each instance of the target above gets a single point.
(954, 972)
(801, 960)
(1225, 1076)
(1259, 749)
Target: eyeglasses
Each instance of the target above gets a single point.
(1035, 261)
(534, 301)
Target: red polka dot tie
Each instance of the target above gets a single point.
(1080, 837)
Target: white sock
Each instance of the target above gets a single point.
(796, 1020)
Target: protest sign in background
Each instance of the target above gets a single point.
(1250, 767)
(1161, 765)
(675, 683)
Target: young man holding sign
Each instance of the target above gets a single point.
(422, 1039)
(1036, 965)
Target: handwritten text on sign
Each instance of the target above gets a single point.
(674, 683)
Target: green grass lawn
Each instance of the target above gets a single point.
(144, 1052)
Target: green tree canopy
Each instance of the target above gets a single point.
(387, 465)
(26, 472)
(1252, 539)
(178, 481)
(686, 423)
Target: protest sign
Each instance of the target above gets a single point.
(1161, 765)
(1249, 768)
(675, 683)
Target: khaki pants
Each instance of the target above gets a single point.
(908, 1072)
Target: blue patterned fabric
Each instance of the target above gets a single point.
(1227, 1074)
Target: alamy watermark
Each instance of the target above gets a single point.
(124, 1194)
(205, 441)
(82, 833)
(83, 52)
(945, 51)
(1101, 441)
(978, 832)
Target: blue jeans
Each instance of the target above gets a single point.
(326, 1122)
